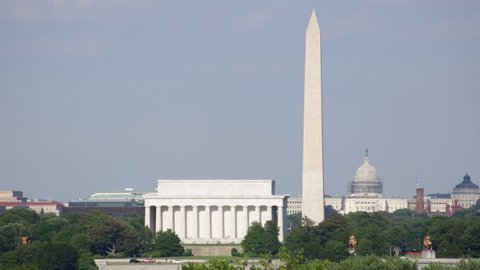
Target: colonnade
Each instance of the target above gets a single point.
(212, 223)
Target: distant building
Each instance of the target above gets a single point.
(420, 202)
(366, 183)
(366, 191)
(12, 196)
(294, 205)
(10, 199)
(466, 193)
(41, 207)
(365, 194)
(335, 202)
(118, 203)
(126, 198)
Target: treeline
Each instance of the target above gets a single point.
(382, 233)
(71, 241)
(379, 233)
(369, 262)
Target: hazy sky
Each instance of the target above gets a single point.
(103, 95)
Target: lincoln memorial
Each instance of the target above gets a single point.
(214, 211)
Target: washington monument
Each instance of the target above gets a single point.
(312, 183)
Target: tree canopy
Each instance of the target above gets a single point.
(69, 241)
(261, 240)
(383, 233)
(168, 243)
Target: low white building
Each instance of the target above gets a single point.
(335, 202)
(41, 207)
(294, 205)
(214, 211)
(394, 204)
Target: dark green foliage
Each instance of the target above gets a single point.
(108, 235)
(20, 267)
(294, 220)
(463, 265)
(384, 234)
(19, 215)
(327, 240)
(187, 252)
(216, 264)
(261, 240)
(234, 252)
(374, 263)
(85, 260)
(458, 236)
(51, 255)
(10, 258)
(47, 227)
(10, 236)
(329, 211)
(168, 244)
(370, 230)
(146, 236)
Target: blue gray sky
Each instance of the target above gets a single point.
(103, 95)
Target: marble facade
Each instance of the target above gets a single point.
(214, 211)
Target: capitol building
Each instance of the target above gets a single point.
(366, 183)
(366, 195)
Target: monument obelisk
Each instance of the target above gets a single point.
(312, 182)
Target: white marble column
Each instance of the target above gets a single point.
(147, 216)
(158, 219)
(233, 211)
(182, 223)
(208, 211)
(195, 222)
(258, 212)
(247, 222)
(221, 221)
(281, 227)
(269, 213)
(172, 218)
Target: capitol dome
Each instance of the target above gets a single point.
(366, 183)
(366, 172)
(466, 186)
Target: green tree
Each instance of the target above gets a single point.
(471, 238)
(19, 215)
(446, 234)
(294, 220)
(168, 243)
(365, 247)
(316, 241)
(108, 235)
(261, 240)
(463, 265)
(10, 236)
(47, 227)
(9, 258)
(147, 236)
(85, 260)
(51, 255)
(373, 262)
(291, 259)
(396, 236)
